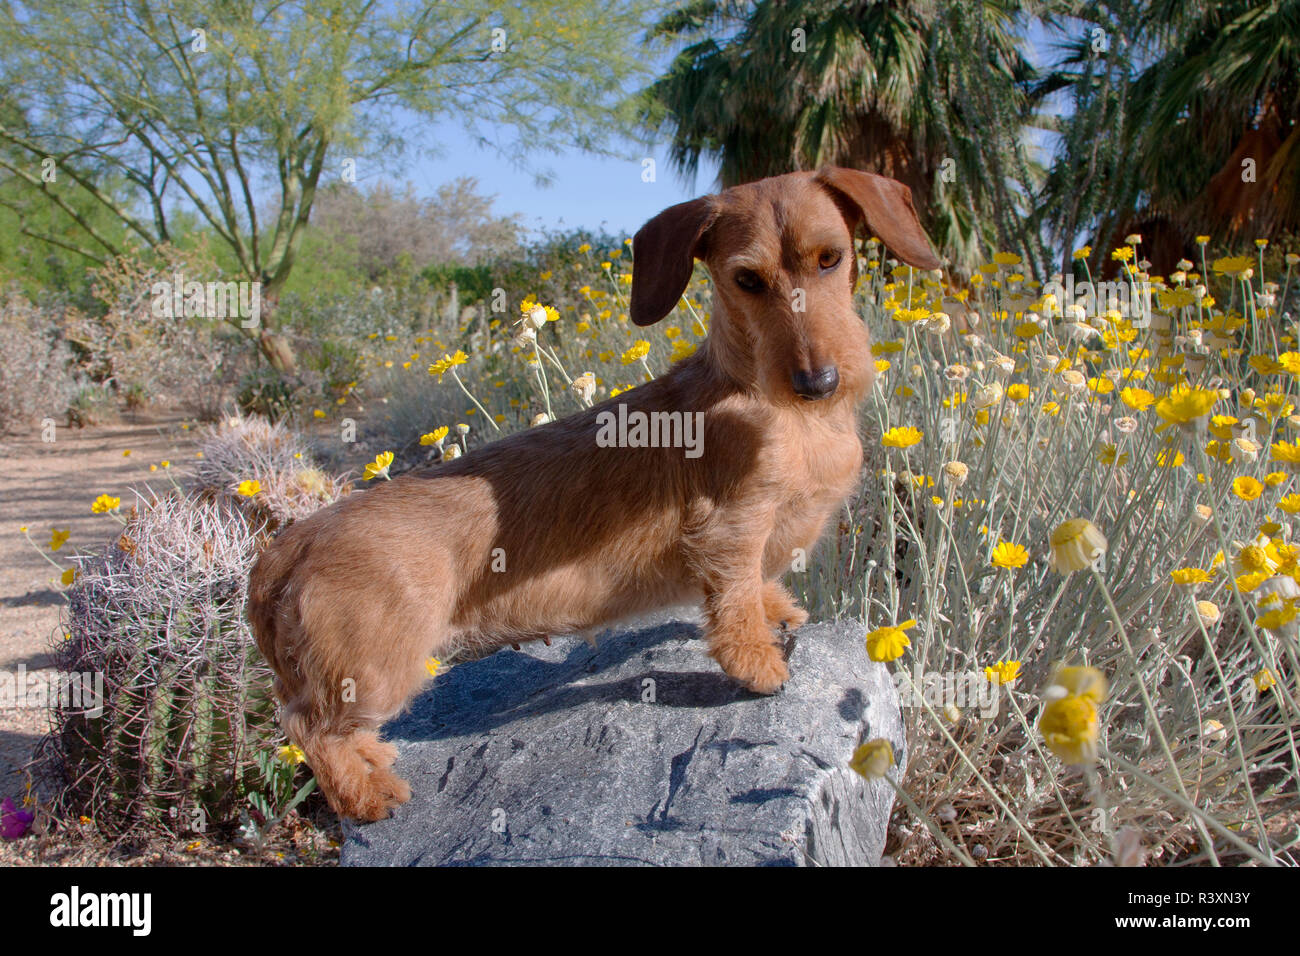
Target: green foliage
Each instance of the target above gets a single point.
(1167, 98)
(193, 106)
(935, 95)
(329, 266)
(35, 236)
(473, 283)
(264, 391)
(276, 795)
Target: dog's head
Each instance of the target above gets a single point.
(780, 252)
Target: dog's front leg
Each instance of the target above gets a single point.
(780, 609)
(740, 637)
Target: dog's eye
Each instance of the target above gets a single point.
(749, 281)
(830, 258)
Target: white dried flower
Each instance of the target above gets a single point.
(584, 386)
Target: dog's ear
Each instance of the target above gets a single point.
(663, 256)
(886, 207)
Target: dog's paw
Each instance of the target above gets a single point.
(384, 792)
(792, 619)
(780, 610)
(392, 789)
(759, 665)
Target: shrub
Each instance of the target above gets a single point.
(91, 405)
(189, 361)
(266, 393)
(37, 378)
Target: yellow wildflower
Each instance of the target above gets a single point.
(1008, 555)
(435, 437)
(1076, 545)
(902, 437)
(888, 643)
(291, 754)
(639, 350)
(1185, 405)
(873, 759)
(1138, 399)
(1247, 488)
(1069, 723)
(1003, 672)
(1190, 577)
(445, 364)
(379, 467)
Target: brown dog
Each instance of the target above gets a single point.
(549, 532)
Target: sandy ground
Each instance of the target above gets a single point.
(45, 486)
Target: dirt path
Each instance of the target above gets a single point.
(45, 486)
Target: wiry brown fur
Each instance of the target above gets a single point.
(367, 589)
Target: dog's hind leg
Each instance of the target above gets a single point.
(364, 663)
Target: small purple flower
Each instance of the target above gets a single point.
(13, 821)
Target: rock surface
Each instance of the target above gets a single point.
(641, 752)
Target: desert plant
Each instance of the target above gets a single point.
(266, 393)
(142, 349)
(276, 795)
(177, 737)
(186, 699)
(37, 377)
(265, 467)
(91, 405)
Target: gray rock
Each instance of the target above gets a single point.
(559, 756)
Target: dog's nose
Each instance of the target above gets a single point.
(816, 384)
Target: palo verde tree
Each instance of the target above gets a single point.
(224, 109)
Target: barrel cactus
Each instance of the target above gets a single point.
(178, 739)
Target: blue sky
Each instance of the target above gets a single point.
(592, 191)
(587, 190)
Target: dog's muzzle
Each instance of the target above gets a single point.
(818, 384)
